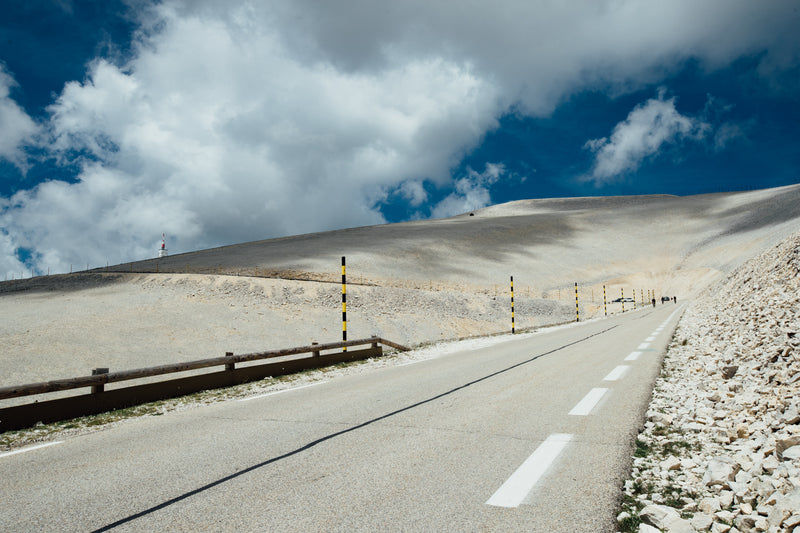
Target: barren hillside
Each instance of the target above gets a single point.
(412, 282)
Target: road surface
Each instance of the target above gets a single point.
(532, 434)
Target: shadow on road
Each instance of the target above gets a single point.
(310, 445)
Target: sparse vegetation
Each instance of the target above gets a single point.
(642, 449)
(630, 524)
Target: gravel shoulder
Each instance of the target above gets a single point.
(720, 448)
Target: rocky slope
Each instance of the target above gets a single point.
(720, 450)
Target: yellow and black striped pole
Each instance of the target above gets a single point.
(605, 304)
(512, 305)
(622, 298)
(344, 306)
(634, 299)
(577, 311)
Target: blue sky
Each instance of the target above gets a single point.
(222, 122)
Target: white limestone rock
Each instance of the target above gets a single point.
(718, 472)
(665, 518)
(701, 521)
(791, 454)
(672, 463)
(720, 528)
(709, 505)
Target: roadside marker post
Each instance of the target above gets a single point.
(605, 304)
(577, 309)
(622, 298)
(344, 306)
(512, 305)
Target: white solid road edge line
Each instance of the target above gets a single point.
(31, 448)
(518, 486)
(617, 373)
(281, 391)
(633, 356)
(586, 405)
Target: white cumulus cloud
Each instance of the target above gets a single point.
(414, 192)
(17, 128)
(470, 192)
(241, 120)
(214, 133)
(641, 135)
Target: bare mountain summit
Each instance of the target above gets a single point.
(411, 282)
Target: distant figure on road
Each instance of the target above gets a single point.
(675, 299)
(654, 302)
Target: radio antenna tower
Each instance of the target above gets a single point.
(163, 251)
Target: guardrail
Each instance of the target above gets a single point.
(100, 379)
(101, 400)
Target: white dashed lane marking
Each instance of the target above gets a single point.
(617, 373)
(516, 488)
(588, 402)
(633, 356)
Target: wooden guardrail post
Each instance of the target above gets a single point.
(229, 366)
(314, 353)
(100, 386)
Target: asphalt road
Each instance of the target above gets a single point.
(534, 434)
